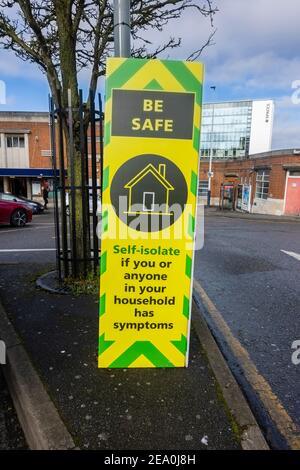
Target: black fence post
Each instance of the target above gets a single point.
(94, 180)
(72, 192)
(84, 196)
(64, 229)
(55, 188)
(63, 140)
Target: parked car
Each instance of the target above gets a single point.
(36, 207)
(14, 213)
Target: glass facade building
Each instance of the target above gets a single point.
(236, 129)
(226, 129)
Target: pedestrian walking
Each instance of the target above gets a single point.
(45, 196)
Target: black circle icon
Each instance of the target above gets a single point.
(149, 193)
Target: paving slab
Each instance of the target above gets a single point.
(11, 434)
(216, 212)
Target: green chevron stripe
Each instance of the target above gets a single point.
(104, 221)
(181, 345)
(196, 139)
(103, 345)
(185, 77)
(186, 307)
(103, 262)
(102, 305)
(188, 266)
(191, 226)
(107, 134)
(194, 183)
(153, 85)
(105, 178)
(122, 74)
(138, 349)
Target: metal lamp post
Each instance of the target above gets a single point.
(122, 28)
(211, 153)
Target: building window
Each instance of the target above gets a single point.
(203, 188)
(15, 141)
(262, 184)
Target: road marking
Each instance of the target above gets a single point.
(43, 223)
(291, 253)
(17, 250)
(279, 415)
(11, 230)
(36, 227)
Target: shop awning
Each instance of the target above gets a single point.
(29, 172)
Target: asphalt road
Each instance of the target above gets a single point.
(256, 288)
(36, 238)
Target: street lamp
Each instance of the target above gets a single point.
(211, 152)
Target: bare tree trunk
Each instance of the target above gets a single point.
(67, 46)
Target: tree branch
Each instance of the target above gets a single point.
(196, 54)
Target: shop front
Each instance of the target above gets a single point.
(27, 182)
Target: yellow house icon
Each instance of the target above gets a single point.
(149, 192)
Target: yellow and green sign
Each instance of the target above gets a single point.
(150, 181)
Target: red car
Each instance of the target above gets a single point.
(14, 213)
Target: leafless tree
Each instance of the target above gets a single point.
(65, 36)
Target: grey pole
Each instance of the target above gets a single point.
(122, 28)
(210, 160)
(211, 154)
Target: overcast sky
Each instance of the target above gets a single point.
(256, 55)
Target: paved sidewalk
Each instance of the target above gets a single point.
(11, 435)
(112, 409)
(216, 212)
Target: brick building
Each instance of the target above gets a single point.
(25, 157)
(274, 178)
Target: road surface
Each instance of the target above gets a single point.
(251, 271)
